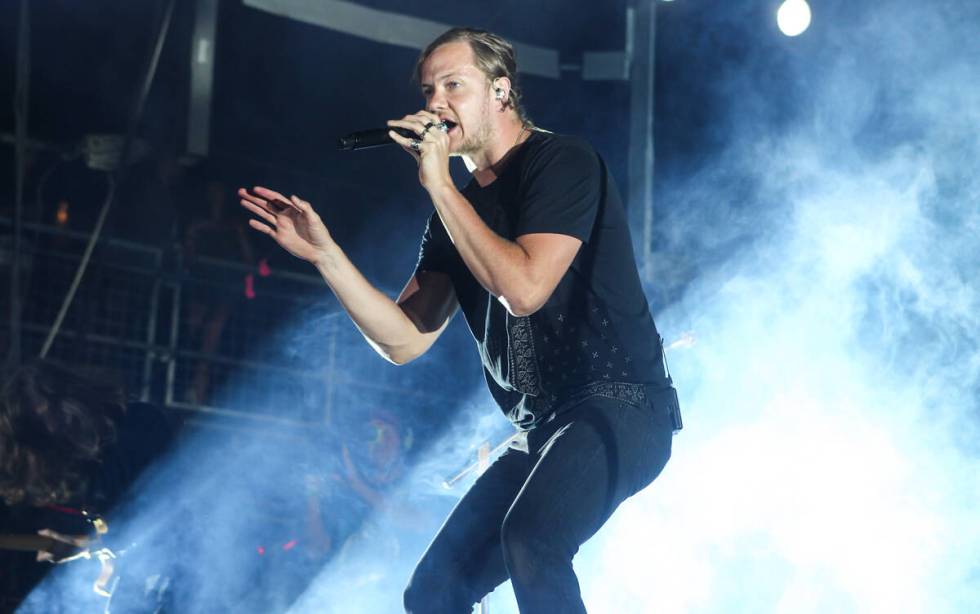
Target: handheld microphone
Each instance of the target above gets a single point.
(379, 136)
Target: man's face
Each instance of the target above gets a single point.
(456, 90)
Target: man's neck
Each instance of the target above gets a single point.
(487, 164)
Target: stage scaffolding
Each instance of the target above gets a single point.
(142, 314)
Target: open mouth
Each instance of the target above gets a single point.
(453, 126)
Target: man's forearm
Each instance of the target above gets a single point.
(382, 322)
(502, 267)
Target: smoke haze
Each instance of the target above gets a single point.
(821, 270)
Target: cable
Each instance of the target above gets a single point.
(116, 178)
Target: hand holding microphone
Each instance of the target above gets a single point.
(428, 143)
(364, 139)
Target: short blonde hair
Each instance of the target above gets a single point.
(493, 55)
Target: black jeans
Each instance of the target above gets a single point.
(527, 515)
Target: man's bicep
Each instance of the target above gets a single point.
(429, 300)
(550, 254)
(562, 191)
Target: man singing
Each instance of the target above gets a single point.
(536, 252)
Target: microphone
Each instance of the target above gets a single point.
(379, 136)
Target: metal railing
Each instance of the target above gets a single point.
(188, 337)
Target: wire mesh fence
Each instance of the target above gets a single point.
(208, 336)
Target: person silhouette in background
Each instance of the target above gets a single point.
(214, 292)
(70, 449)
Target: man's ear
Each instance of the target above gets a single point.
(501, 90)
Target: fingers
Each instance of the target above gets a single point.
(259, 211)
(268, 205)
(416, 122)
(74, 540)
(414, 125)
(406, 144)
(57, 553)
(420, 123)
(268, 199)
(246, 195)
(427, 117)
(301, 205)
(417, 146)
(272, 195)
(257, 225)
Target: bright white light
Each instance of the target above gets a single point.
(793, 17)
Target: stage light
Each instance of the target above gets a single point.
(61, 217)
(793, 17)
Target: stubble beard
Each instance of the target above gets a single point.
(481, 139)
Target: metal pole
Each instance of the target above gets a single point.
(119, 174)
(151, 329)
(641, 156)
(174, 347)
(202, 77)
(21, 98)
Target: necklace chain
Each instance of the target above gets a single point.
(499, 163)
(520, 134)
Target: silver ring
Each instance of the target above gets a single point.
(416, 145)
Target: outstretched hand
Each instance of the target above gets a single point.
(292, 222)
(63, 548)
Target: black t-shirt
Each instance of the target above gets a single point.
(595, 333)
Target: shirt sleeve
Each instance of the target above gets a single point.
(433, 252)
(561, 190)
